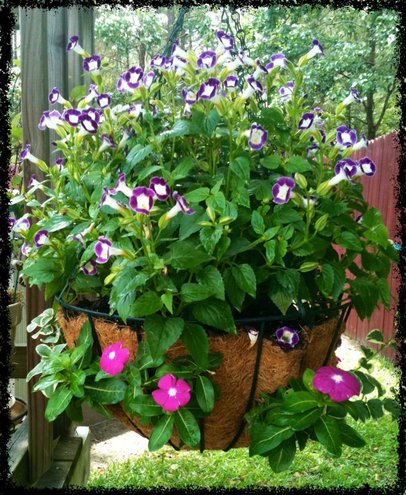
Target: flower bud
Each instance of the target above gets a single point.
(308, 266)
(323, 188)
(301, 180)
(211, 214)
(321, 222)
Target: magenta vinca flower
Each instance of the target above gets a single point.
(282, 190)
(352, 97)
(345, 137)
(72, 116)
(41, 238)
(171, 393)
(160, 187)
(257, 137)
(207, 60)
(338, 384)
(142, 199)
(92, 64)
(114, 358)
(286, 337)
(89, 268)
(306, 122)
(104, 248)
(344, 170)
(73, 45)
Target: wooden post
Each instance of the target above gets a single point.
(45, 64)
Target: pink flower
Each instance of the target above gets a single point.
(172, 393)
(114, 358)
(338, 384)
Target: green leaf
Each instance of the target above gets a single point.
(191, 292)
(185, 254)
(264, 438)
(361, 410)
(138, 153)
(282, 456)
(234, 293)
(300, 401)
(271, 162)
(210, 237)
(325, 280)
(205, 393)
(257, 222)
(162, 333)
(270, 248)
(216, 314)
(42, 270)
(197, 195)
(367, 386)
(350, 437)
(327, 431)
(142, 405)
(147, 304)
(375, 407)
(245, 277)
(57, 222)
(211, 277)
(187, 427)
(194, 338)
(392, 406)
(183, 168)
(240, 166)
(297, 164)
(211, 122)
(161, 433)
(375, 336)
(180, 128)
(108, 391)
(349, 241)
(58, 402)
(303, 420)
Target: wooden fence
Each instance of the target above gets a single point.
(380, 192)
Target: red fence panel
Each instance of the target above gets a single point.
(380, 192)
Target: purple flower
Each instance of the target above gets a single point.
(89, 268)
(114, 358)
(56, 97)
(133, 77)
(258, 136)
(189, 96)
(88, 124)
(121, 186)
(317, 49)
(148, 79)
(179, 63)
(352, 97)
(286, 337)
(208, 90)
(362, 143)
(344, 170)
(172, 393)
(26, 155)
(253, 86)
(245, 59)
(103, 249)
(92, 94)
(142, 200)
(41, 238)
(74, 45)
(92, 63)
(281, 191)
(25, 249)
(260, 71)
(158, 61)
(306, 122)
(225, 40)
(135, 109)
(180, 206)
(346, 137)
(177, 51)
(21, 224)
(366, 166)
(230, 82)
(286, 91)
(160, 187)
(93, 114)
(277, 60)
(207, 60)
(107, 200)
(60, 162)
(72, 116)
(50, 119)
(339, 385)
(104, 100)
(107, 142)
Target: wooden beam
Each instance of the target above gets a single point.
(19, 362)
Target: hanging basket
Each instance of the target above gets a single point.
(245, 372)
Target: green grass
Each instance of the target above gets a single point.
(374, 465)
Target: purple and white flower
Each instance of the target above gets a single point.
(306, 122)
(142, 200)
(362, 143)
(158, 62)
(260, 71)
(148, 79)
(160, 187)
(122, 85)
(104, 248)
(365, 166)
(89, 268)
(50, 119)
(253, 86)
(89, 125)
(277, 60)
(121, 186)
(92, 64)
(72, 116)
(245, 59)
(56, 97)
(103, 100)
(33, 185)
(25, 249)
(133, 77)
(317, 49)
(282, 190)
(107, 142)
(352, 97)
(21, 224)
(181, 205)
(107, 200)
(309, 202)
(286, 337)
(345, 170)
(125, 138)
(257, 137)
(208, 90)
(80, 237)
(135, 109)
(207, 60)
(230, 82)
(91, 95)
(189, 96)
(177, 51)
(73, 45)
(226, 42)
(41, 238)
(93, 114)
(345, 137)
(286, 91)
(26, 155)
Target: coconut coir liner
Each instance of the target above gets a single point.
(233, 377)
